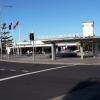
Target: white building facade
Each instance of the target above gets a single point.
(39, 47)
(88, 28)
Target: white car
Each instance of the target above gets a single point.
(86, 54)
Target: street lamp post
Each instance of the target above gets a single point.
(1, 7)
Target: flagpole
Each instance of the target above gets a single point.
(17, 24)
(13, 41)
(1, 43)
(19, 40)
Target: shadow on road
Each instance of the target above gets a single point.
(85, 90)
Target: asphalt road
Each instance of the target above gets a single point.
(19, 81)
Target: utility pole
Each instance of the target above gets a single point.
(1, 8)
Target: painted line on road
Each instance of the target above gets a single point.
(2, 69)
(31, 73)
(58, 97)
(13, 70)
(25, 71)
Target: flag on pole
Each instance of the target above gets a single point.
(4, 26)
(10, 26)
(17, 23)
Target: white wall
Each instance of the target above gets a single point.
(88, 28)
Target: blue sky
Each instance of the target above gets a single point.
(51, 17)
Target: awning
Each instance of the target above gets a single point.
(75, 39)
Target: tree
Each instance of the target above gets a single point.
(6, 38)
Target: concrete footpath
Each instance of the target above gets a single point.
(41, 59)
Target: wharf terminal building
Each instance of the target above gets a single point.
(88, 42)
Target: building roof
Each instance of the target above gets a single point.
(74, 39)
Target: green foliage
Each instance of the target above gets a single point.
(6, 39)
(88, 46)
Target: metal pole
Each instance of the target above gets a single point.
(13, 43)
(1, 7)
(19, 41)
(1, 44)
(0, 34)
(81, 50)
(53, 52)
(33, 51)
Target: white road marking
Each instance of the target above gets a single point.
(58, 97)
(40, 71)
(2, 69)
(24, 71)
(7, 69)
(13, 70)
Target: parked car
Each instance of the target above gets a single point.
(86, 54)
(65, 54)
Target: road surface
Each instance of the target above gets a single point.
(19, 81)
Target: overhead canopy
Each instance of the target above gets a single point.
(74, 39)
